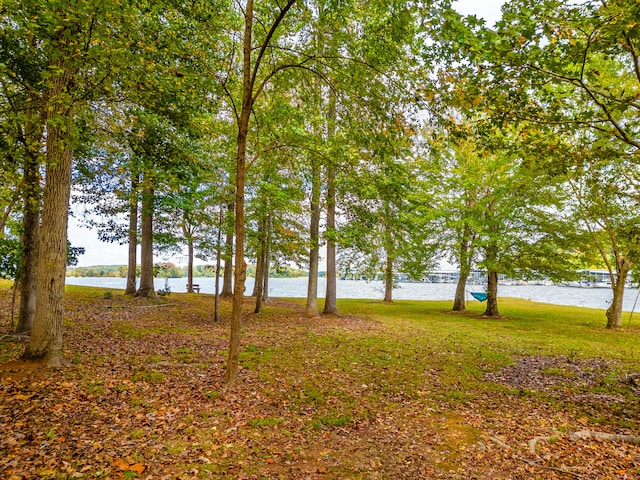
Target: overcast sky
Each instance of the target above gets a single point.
(99, 253)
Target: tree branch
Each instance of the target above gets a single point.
(593, 94)
(267, 40)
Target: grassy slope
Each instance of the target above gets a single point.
(387, 391)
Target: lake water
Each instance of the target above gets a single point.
(297, 287)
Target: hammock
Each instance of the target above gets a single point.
(480, 296)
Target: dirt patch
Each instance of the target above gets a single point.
(563, 377)
(546, 373)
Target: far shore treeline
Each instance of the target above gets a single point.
(170, 270)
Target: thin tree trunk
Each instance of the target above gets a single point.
(262, 292)
(5, 216)
(389, 250)
(614, 312)
(259, 278)
(330, 301)
(492, 295)
(227, 283)
(28, 267)
(46, 335)
(258, 284)
(133, 236)
(388, 280)
(30, 225)
(216, 303)
(146, 288)
(240, 270)
(267, 260)
(190, 265)
(311, 309)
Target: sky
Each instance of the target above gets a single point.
(487, 9)
(100, 253)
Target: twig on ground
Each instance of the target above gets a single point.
(143, 306)
(554, 469)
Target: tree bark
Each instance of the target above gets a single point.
(259, 279)
(267, 260)
(311, 309)
(130, 289)
(216, 302)
(466, 257)
(146, 288)
(330, 301)
(240, 270)
(258, 284)
(227, 280)
(29, 264)
(459, 304)
(492, 295)
(614, 312)
(388, 280)
(190, 265)
(30, 223)
(46, 335)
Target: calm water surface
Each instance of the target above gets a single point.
(297, 287)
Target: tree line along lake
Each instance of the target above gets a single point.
(297, 288)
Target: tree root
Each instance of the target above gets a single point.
(608, 437)
(17, 337)
(500, 443)
(533, 443)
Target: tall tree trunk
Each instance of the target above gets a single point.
(227, 283)
(330, 301)
(46, 335)
(267, 260)
(29, 264)
(311, 309)
(240, 270)
(216, 302)
(390, 252)
(466, 257)
(262, 281)
(248, 78)
(258, 284)
(388, 280)
(30, 223)
(459, 300)
(190, 264)
(259, 279)
(614, 312)
(492, 295)
(132, 264)
(146, 288)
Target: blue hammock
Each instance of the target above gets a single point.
(480, 296)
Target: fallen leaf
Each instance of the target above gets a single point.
(138, 468)
(120, 463)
